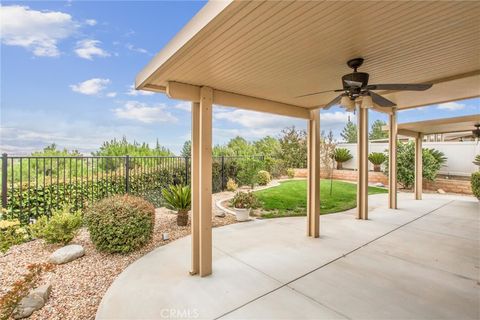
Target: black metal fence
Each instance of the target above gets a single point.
(32, 186)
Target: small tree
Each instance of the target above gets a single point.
(377, 159)
(293, 147)
(341, 155)
(186, 149)
(376, 131)
(349, 132)
(327, 149)
(247, 173)
(431, 163)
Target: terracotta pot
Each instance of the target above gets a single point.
(182, 218)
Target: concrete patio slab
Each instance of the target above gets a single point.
(420, 261)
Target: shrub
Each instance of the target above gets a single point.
(377, 159)
(476, 161)
(11, 233)
(61, 227)
(475, 181)
(276, 167)
(263, 177)
(231, 185)
(291, 173)
(244, 200)
(341, 155)
(247, 173)
(178, 198)
(406, 164)
(120, 224)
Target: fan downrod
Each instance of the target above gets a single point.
(355, 63)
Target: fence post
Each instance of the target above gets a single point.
(223, 173)
(186, 171)
(4, 180)
(127, 174)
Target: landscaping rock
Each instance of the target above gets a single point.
(379, 184)
(67, 254)
(35, 300)
(441, 191)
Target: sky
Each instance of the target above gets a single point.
(67, 73)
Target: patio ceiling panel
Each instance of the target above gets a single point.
(279, 50)
(446, 125)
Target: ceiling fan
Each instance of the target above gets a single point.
(476, 132)
(356, 88)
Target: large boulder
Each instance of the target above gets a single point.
(67, 254)
(34, 301)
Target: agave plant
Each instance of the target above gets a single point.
(377, 159)
(341, 155)
(178, 198)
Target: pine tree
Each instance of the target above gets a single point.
(376, 131)
(349, 133)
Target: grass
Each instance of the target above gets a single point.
(290, 198)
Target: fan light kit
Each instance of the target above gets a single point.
(356, 87)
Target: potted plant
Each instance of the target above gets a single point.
(377, 159)
(178, 198)
(242, 203)
(341, 155)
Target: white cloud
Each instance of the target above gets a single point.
(251, 119)
(135, 110)
(451, 106)
(185, 106)
(91, 87)
(131, 47)
(111, 94)
(90, 22)
(89, 48)
(37, 31)
(335, 118)
(132, 92)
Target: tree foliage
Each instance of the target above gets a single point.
(432, 160)
(349, 132)
(186, 149)
(293, 147)
(122, 147)
(376, 131)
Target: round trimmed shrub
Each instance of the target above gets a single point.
(120, 224)
(291, 173)
(263, 177)
(475, 181)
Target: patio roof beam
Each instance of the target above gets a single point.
(407, 133)
(183, 91)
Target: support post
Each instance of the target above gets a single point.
(418, 167)
(392, 161)
(362, 164)
(195, 187)
(313, 179)
(127, 173)
(205, 181)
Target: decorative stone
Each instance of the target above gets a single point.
(441, 191)
(220, 214)
(379, 184)
(67, 254)
(35, 300)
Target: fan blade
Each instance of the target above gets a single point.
(333, 102)
(312, 94)
(400, 87)
(354, 84)
(381, 101)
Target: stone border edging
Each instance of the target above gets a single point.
(218, 203)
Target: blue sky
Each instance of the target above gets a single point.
(67, 70)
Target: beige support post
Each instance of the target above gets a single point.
(392, 161)
(205, 181)
(194, 180)
(362, 164)
(313, 178)
(418, 167)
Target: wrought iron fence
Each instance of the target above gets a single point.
(32, 186)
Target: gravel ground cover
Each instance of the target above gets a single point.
(78, 286)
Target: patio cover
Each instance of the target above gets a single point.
(260, 55)
(445, 125)
(280, 50)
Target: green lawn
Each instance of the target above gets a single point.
(290, 198)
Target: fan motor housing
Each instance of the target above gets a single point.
(357, 77)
